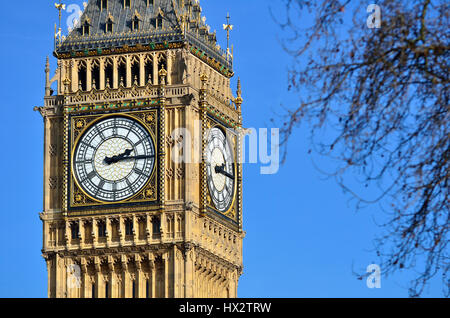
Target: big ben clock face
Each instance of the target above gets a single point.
(114, 159)
(220, 169)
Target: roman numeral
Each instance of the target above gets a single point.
(91, 174)
(87, 145)
(131, 129)
(139, 172)
(100, 133)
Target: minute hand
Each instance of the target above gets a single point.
(221, 170)
(136, 157)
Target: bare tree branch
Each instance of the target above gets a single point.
(383, 96)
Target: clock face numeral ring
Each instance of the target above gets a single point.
(114, 159)
(220, 170)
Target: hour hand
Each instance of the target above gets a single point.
(118, 158)
(221, 170)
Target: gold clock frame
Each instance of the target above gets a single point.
(233, 212)
(79, 124)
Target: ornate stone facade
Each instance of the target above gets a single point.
(170, 242)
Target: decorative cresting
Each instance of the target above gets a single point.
(162, 25)
(121, 217)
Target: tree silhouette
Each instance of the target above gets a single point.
(382, 95)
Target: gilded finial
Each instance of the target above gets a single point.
(228, 27)
(60, 7)
(204, 77)
(162, 72)
(239, 88)
(47, 65)
(238, 101)
(66, 84)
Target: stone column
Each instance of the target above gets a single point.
(125, 278)
(62, 77)
(142, 78)
(169, 59)
(149, 228)
(166, 262)
(84, 279)
(59, 266)
(60, 86)
(99, 292)
(140, 281)
(94, 232)
(121, 231)
(189, 271)
(115, 83)
(102, 84)
(178, 282)
(108, 231)
(155, 69)
(112, 278)
(152, 276)
(135, 229)
(46, 230)
(74, 78)
(129, 79)
(82, 233)
(67, 235)
(88, 75)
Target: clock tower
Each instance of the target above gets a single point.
(142, 169)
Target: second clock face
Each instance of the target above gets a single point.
(220, 170)
(114, 159)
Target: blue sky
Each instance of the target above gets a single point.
(303, 239)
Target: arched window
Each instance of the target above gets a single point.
(74, 227)
(148, 71)
(102, 229)
(135, 24)
(156, 225)
(82, 71)
(96, 75)
(135, 72)
(127, 3)
(128, 227)
(103, 5)
(109, 25)
(159, 22)
(109, 71)
(86, 28)
(122, 71)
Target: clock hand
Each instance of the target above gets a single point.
(115, 159)
(221, 170)
(137, 157)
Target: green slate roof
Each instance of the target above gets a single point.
(172, 13)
